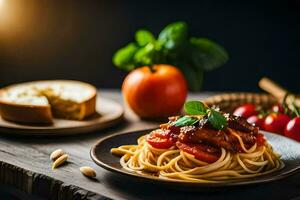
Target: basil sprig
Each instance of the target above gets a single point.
(185, 121)
(215, 118)
(192, 55)
(195, 108)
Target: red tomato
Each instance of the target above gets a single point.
(256, 120)
(246, 110)
(154, 94)
(160, 139)
(276, 123)
(260, 139)
(200, 151)
(292, 129)
(277, 108)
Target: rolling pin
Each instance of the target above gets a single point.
(277, 91)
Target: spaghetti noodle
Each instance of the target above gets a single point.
(177, 164)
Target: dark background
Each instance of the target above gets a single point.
(75, 39)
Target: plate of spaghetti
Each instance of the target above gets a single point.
(205, 147)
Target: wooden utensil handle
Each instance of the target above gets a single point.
(273, 88)
(277, 91)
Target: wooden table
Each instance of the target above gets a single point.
(25, 165)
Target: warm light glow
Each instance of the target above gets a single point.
(6, 16)
(13, 18)
(2, 3)
(32, 30)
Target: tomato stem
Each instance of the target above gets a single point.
(295, 109)
(284, 104)
(151, 67)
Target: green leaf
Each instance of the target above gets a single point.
(216, 119)
(185, 121)
(145, 55)
(194, 108)
(143, 37)
(123, 58)
(207, 54)
(174, 35)
(193, 76)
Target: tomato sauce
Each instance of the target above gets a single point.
(202, 152)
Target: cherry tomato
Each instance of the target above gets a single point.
(256, 120)
(277, 108)
(200, 151)
(160, 139)
(292, 129)
(156, 93)
(276, 123)
(246, 110)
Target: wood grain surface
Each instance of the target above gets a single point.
(25, 164)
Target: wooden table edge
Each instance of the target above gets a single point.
(42, 185)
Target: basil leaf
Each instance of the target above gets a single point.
(185, 121)
(217, 120)
(207, 54)
(195, 108)
(173, 35)
(145, 55)
(123, 58)
(194, 77)
(143, 37)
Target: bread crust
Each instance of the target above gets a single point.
(26, 114)
(41, 114)
(90, 106)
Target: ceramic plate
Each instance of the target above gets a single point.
(108, 114)
(289, 149)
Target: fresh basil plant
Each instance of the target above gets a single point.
(192, 55)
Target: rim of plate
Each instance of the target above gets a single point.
(277, 176)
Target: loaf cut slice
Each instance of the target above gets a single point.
(40, 101)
